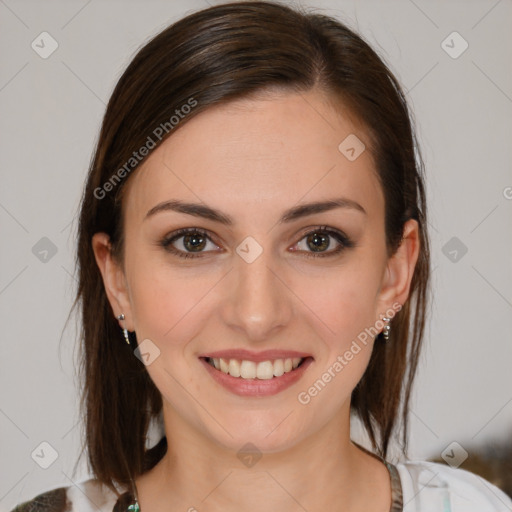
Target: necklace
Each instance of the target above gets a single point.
(134, 507)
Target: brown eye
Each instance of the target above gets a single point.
(317, 242)
(188, 243)
(195, 242)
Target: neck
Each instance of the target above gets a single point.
(197, 473)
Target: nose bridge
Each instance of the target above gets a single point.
(258, 303)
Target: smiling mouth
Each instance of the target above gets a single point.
(263, 370)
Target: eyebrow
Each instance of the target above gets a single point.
(297, 212)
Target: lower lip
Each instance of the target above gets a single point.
(257, 387)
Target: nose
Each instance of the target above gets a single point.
(257, 304)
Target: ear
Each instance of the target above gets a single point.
(400, 269)
(114, 279)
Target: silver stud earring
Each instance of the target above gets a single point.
(126, 334)
(387, 328)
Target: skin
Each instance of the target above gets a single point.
(253, 159)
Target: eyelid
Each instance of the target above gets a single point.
(168, 240)
(343, 240)
(324, 229)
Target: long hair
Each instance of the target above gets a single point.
(208, 58)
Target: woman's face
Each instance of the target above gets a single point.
(265, 278)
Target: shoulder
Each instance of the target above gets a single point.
(88, 496)
(435, 486)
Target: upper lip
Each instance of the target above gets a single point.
(248, 355)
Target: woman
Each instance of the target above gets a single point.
(254, 269)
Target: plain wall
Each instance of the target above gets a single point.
(51, 111)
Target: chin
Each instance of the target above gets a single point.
(267, 432)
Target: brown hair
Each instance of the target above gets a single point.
(213, 56)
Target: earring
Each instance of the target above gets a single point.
(129, 337)
(387, 328)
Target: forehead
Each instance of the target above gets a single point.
(278, 149)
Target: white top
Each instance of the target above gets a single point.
(425, 487)
(434, 487)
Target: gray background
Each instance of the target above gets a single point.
(50, 116)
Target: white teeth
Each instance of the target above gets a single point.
(248, 370)
(278, 367)
(223, 365)
(264, 370)
(234, 368)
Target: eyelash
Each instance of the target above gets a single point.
(339, 236)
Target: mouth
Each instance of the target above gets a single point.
(256, 375)
(263, 370)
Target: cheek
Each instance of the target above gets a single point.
(343, 315)
(167, 305)
(340, 309)
(340, 301)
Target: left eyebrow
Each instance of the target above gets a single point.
(297, 212)
(306, 209)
